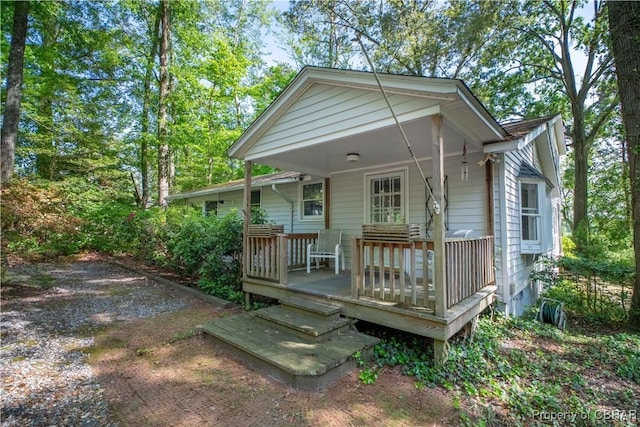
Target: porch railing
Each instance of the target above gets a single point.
(297, 244)
(469, 267)
(403, 271)
(271, 257)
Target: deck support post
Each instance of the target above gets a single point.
(439, 262)
(440, 351)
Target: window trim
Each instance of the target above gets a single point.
(302, 216)
(404, 187)
(528, 246)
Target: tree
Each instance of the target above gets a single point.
(624, 22)
(163, 144)
(74, 77)
(546, 45)
(11, 117)
(319, 34)
(418, 37)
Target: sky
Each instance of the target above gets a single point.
(278, 54)
(272, 45)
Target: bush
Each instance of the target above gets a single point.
(67, 217)
(595, 289)
(55, 218)
(204, 247)
(36, 220)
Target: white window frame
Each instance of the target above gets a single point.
(404, 183)
(532, 246)
(304, 217)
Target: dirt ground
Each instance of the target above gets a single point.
(161, 371)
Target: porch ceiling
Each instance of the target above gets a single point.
(382, 146)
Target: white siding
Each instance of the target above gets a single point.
(467, 200)
(278, 210)
(347, 207)
(325, 110)
(516, 279)
(517, 270)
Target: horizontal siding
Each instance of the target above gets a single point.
(500, 245)
(347, 201)
(278, 210)
(349, 108)
(518, 269)
(467, 200)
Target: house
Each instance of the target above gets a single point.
(484, 197)
(279, 194)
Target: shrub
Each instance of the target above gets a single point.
(204, 247)
(36, 220)
(596, 289)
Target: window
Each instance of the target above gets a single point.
(255, 199)
(534, 228)
(530, 211)
(312, 200)
(211, 207)
(385, 194)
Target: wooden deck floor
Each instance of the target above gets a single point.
(324, 285)
(323, 282)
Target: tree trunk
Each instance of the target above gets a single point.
(46, 154)
(624, 21)
(15, 67)
(580, 186)
(146, 106)
(163, 145)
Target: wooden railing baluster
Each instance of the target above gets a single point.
(469, 268)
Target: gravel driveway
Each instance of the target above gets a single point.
(49, 315)
(91, 343)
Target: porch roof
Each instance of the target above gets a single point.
(238, 184)
(324, 114)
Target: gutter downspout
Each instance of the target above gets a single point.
(286, 199)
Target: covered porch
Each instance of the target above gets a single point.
(401, 158)
(391, 283)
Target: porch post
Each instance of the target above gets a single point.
(247, 220)
(439, 262)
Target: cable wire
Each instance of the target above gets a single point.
(436, 205)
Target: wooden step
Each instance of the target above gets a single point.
(313, 308)
(281, 353)
(303, 323)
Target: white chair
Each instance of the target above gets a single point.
(328, 246)
(458, 233)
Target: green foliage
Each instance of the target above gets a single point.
(36, 221)
(65, 217)
(206, 248)
(522, 367)
(595, 289)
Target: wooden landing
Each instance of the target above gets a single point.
(305, 344)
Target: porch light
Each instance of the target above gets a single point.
(353, 157)
(464, 170)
